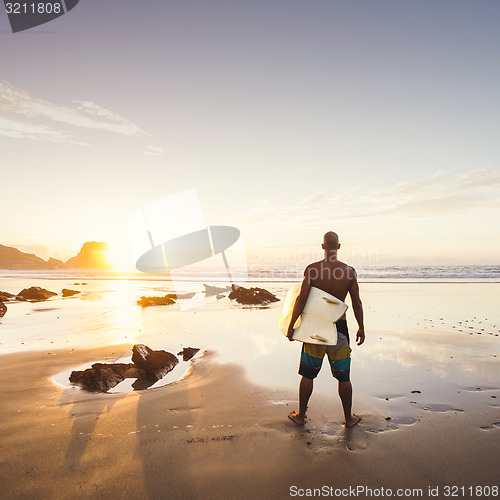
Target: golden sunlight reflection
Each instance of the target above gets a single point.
(123, 316)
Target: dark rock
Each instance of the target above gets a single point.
(153, 364)
(66, 292)
(252, 296)
(5, 296)
(215, 290)
(103, 376)
(147, 367)
(142, 383)
(35, 294)
(3, 309)
(188, 352)
(155, 301)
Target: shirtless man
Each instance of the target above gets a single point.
(337, 279)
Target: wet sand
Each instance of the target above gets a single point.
(217, 435)
(426, 383)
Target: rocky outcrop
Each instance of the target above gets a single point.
(12, 258)
(153, 365)
(56, 263)
(188, 352)
(252, 296)
(91, 256)
(3, 309)
(155, 301)
(5, 296)
(66, 292)
(35, 294)
(103, 376)
(148, 366)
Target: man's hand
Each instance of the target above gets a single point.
(360, 336)
(289, 334)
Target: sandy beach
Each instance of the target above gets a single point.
(428, 395)
(170, 170)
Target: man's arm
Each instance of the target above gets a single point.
(299, 304)
(357, 307)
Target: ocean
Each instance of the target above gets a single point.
(277, 274)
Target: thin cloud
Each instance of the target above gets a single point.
(154, 151)
(487, 178)
(440, 206)
(440, 194)
(311, 200)
(19, 130)
(16, 104)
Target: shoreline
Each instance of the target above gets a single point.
(214, 434)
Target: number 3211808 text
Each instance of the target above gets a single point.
(33, 8)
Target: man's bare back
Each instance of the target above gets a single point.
(334, 277)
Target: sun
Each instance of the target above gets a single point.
(118, 258)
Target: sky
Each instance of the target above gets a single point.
(379, 120)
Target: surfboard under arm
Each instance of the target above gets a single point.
(316, 324)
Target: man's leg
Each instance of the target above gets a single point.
(345, 393)
(340, 363)
(305, 391)
(311, 359)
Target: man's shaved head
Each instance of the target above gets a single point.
(331, 240)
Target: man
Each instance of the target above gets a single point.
(337, 279)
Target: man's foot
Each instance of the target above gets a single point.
(351, 422)
(295, 418)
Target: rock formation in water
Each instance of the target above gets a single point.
(66, 292)
(103, 376)
(5, 296)
(153, 365)
(91, 256)
(155, 301)
(3, 309)
(252, 296)
(35, 294)
(188, 352)
(148, 366)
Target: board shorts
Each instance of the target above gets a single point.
(339, 356)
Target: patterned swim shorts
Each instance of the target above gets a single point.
(339, 356)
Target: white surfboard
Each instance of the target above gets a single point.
(316, 324)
